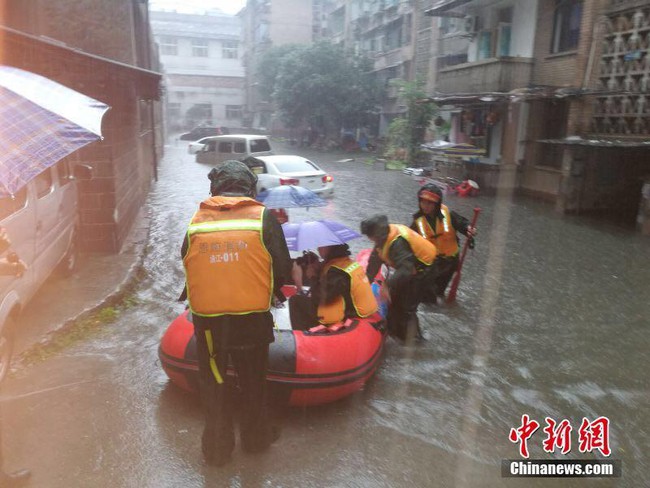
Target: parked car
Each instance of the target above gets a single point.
(286, 169)
(222, 148)
(199, 132)
(41, 221)
(196, 146)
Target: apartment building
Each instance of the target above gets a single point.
(592, 154)
(384, 30)
(555, 92)
(201, 56)
(270, 23)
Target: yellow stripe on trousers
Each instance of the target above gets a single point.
(213, 363)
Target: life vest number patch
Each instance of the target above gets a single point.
(226, 257)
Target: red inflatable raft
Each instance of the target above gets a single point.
(312, 367)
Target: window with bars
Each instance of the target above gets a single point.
(199, 48)
(168, 46)
(233, 111)
(229, 49)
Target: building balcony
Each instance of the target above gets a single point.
(395, 57)
(489, 75)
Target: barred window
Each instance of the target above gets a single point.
(229, 49)
(233, 111)
(168, 46)
(199, 48)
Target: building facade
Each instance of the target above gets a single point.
(555, 92)
(272, 23)
(384, 30)
(204, 76)
(103, 50)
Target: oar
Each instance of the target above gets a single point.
(451, 296)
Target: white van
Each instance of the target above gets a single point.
(218, 149)
(41, 221)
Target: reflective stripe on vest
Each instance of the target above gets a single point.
(225, 225)
(363, 299)
(228, 268)
(424, 250)
(443, 237)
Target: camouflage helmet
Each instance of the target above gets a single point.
(233, 178)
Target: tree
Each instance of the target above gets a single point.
(320, 85)
(419, 114)
(269, 67)
(398, 138)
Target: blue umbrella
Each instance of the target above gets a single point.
(290, 196)
(316, 233)
(41, 122)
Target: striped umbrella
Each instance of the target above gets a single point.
(290, 196)
(41, 122)
(458, 150)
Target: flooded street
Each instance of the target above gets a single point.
(551, 321)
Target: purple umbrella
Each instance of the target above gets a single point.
(316, 233)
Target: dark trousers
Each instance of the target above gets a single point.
(444, 269)
(434, 281)
(402, 319)
(250, 364)
(303, 312)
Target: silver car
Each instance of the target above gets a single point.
(41, 221)
(196, 146)
(286, 169)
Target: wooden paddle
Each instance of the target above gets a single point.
(451, 296)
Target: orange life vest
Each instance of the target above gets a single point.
(228, 269)
(424, 251)
(363, 300)
(444, 235)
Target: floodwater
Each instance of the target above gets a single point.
(551, 321)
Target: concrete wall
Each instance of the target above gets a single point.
(522, 42)
(291, 22)
(95, 26)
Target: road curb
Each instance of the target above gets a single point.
(135, 247)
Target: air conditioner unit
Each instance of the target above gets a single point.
(472, 24)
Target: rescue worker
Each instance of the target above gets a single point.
(436, 223)
(339, 290)
(235, 258)
(411, 257)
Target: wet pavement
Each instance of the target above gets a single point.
(551, 321)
